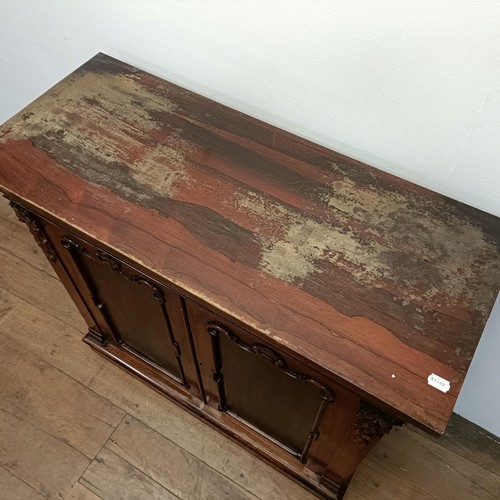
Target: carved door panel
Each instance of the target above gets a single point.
(130, 308)
(273, 394)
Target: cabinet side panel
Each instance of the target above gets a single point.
(44, 234)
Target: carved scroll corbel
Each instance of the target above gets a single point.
(36, 229)
(371, 424)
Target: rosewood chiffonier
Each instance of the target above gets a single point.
(299, 301)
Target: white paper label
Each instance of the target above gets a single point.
(438, 382)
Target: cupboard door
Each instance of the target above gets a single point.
(253, 382)
(130, 309)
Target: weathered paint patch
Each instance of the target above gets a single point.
(294, 257)
(107, 118)
(425, 260)
(166, 170)
(427, 242)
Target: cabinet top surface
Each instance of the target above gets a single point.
(374, 279)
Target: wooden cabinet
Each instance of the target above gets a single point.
(292, 298)
(264, 398)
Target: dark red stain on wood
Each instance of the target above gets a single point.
(376, 280)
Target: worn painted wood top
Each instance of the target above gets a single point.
(374, 279)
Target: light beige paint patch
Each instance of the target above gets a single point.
(165, 169)
(295, 256)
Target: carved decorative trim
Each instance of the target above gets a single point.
(115, 265)
(36, 229)
(272, 357)
(371, 424)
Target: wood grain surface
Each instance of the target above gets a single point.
(375, 280)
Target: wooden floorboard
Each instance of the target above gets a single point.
(37, 287)
(41, 395)
(372, 481)
(47, 337)
(434, 469)
(471, 442)
(12, 486)
(80, 492)
(186, 475)
(111, 477)
(37, 458)
(73, 426)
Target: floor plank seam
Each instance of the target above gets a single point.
(96, 375)
(401, 478)
(478, 486)
(45, 431)
(86, 483)
(37, 306)
(185, 452)
(22, 480)
(462, 451)
(50, 275)
(5, 314)
(67, 374)
(141, 471)
(80, 481)
(100, 449)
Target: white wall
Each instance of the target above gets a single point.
(409, 86)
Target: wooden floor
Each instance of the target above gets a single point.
(74, 426)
